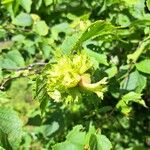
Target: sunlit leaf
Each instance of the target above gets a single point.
(11, 127)
(148, 4)
(26, 4)
(23, 19)
(143, 66)
(124, 104)
(97, 28)
(41, 28)
(12, 59)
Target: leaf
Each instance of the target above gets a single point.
(12, 59)
(136, 7)
(76, 136)
(123, 20)
(38, 4)
(93, 142)
(5, 45)
(26, 4)
(78, 140)
(7, 1)
(74, 140)
(124, 106)
(144, 66)
(48, 129)
(3, 97)
(47, 49)
(41, 28)
(142, 47)
(97, 28)
(3, 33)
(60, 28)
(69, 42)
(148, 4)
(135, 81)
(97, 58)
(22, 19)
(112, 71)
(48, 2)
(103, 143)
(99, 142)
(18, 38)
(11, 127)
(66, 146)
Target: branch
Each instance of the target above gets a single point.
(30, 67)
(4, 83)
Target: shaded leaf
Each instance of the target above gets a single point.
(48, 129)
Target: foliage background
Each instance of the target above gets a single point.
(34, 32)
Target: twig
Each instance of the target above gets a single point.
(2, 86)
(30, 67)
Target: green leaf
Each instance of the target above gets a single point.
(3, 33)
(23, 19)
(135, 81)
(12, 59)
(48, 2)
(11, 127)
(97, 58)
(3, 97)
(123, 20)
(38, 4)
(26, 4)
(93, 142)
(69, 42)
(148, 4)
(144, 66)
(46, 50)
(103, 143)
(5, 45)
(124, 104)
(142, 47)
(99, 142)
(18, 38)
(48, 129)
(60, 28)
(98, 28)
(41, 28)
(112, 71)
(136, 7)
(66, 146)
(7, 1)
(78, 140)
(76, 136)
(75, 140)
